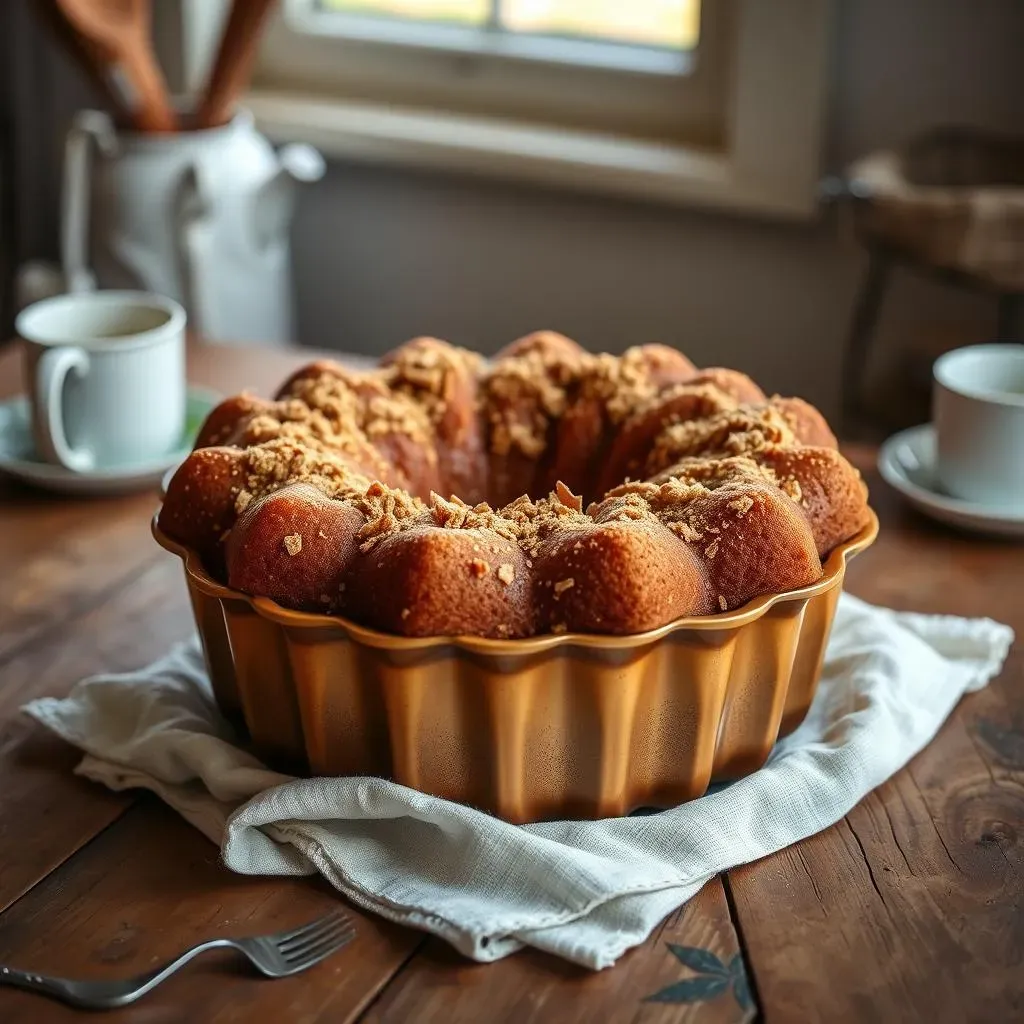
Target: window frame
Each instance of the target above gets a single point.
(490, 74)
(750, 143)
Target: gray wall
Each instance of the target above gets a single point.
(382, 255)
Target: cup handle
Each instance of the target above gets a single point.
(51, 373)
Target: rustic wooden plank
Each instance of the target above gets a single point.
(911, 907)
(61, 557)
(139, 621)
(46, 813)
(150, 886)
(680, 974)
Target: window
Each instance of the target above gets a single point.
(668, 24)
(700, 101)
(553, 62)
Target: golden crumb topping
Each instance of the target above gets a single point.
(429, 372)
(713, 473)
(269, 466)
(388, 510)
(742, 504)
(564, 496)
(624, 385)
(523, 395)
(702, 400)
(741, 431)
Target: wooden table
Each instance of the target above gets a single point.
(909, 909)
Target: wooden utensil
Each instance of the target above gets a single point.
(118, 32)
(233, 65)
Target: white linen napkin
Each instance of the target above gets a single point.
(583, 890)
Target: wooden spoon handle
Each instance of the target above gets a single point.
(153, 111)
(233, 65)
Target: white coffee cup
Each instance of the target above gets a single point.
(978, 407)
(106, 377)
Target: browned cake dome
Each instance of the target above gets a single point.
(329, 498)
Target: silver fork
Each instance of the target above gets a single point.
(275, 956)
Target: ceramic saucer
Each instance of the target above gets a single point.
(18, 457)
(907, 463)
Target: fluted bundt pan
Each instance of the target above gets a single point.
(553, 726)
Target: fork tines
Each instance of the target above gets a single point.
(317, 939)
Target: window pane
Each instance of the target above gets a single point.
(669, 23)
(468, 12)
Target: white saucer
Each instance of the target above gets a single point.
(18, 457)
(907, 463)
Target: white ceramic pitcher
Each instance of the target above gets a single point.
(200, 216)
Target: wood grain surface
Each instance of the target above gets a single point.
(909, 909)
(150, 886)
(690, 969)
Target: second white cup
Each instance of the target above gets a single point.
(979, 424)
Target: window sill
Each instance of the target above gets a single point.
(538, 154)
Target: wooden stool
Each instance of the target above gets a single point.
(950, 206)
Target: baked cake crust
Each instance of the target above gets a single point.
(704, 491)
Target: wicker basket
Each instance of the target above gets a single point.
(953, 199)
